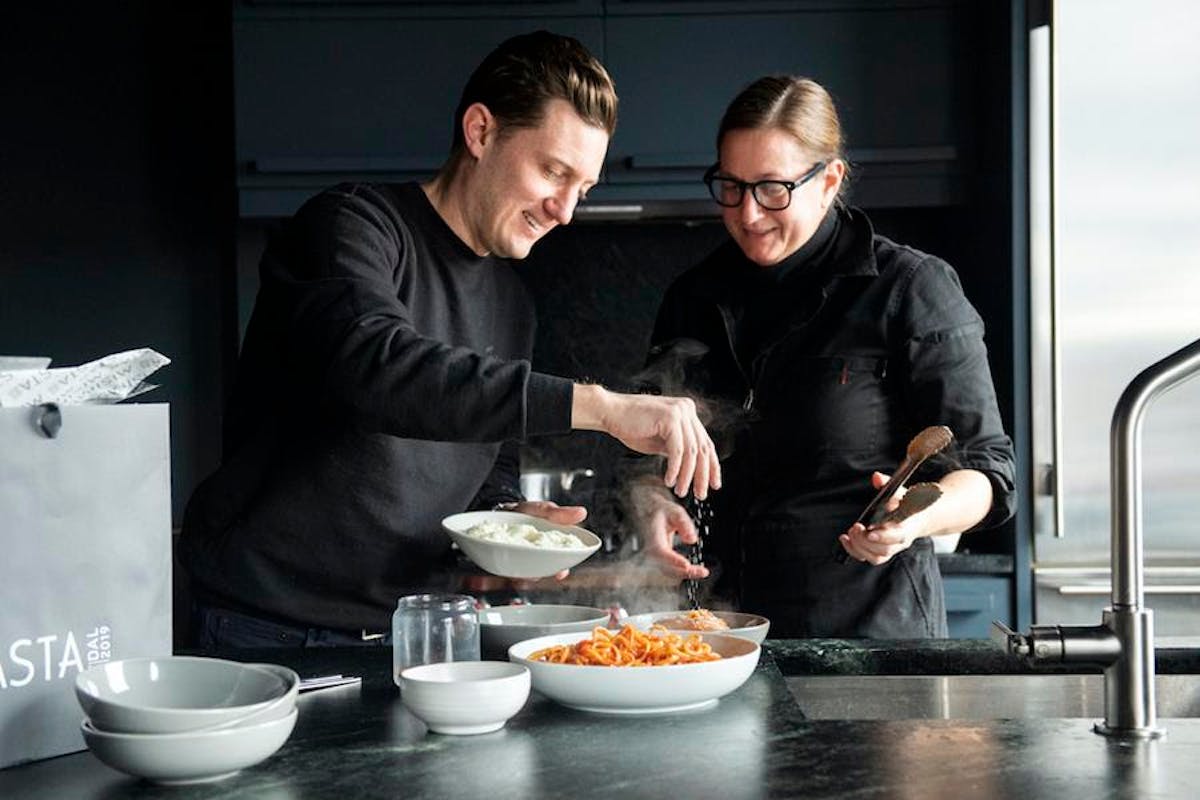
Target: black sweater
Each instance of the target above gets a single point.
(383, 366)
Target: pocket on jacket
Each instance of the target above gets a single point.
(827, 403)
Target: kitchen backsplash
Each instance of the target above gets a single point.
(597, 287)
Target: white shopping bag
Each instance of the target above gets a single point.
(85, 564)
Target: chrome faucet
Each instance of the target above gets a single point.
(1124, 641)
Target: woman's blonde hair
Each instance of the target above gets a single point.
(799, 106)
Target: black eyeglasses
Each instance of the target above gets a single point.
(771, 195)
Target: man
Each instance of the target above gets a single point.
(384, 380)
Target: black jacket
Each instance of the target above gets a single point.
(853, 352)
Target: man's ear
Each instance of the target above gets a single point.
(479, 128)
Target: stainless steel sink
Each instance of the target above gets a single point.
(975, 696)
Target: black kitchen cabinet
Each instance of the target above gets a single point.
(425, 8)
(331, 91)
(894, 70)
(324, 95)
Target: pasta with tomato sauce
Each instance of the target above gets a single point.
(700, 619)
(630, 647)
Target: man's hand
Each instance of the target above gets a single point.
(559, 515)
(664, 426)
(545, 509)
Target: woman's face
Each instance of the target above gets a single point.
(756, 154)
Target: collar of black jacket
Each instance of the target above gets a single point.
(854, 250)
(809, 261)
(853, 255)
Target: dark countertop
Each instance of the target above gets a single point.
(360, 742)
(935, 657)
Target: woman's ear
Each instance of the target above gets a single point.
(831, 179)
(479, 128)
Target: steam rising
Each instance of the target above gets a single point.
(670, 371)
(623, 509)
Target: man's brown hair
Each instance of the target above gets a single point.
(517, 79)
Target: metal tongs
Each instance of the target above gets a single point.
(930, 441)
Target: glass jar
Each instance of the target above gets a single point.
(430, 628)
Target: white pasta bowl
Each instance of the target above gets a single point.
(465, 697)
(500, 627)
(174, 694)
(639, 690)
(747, 626)
(518, 560)
(189, 757)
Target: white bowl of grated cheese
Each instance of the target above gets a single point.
(516, 545)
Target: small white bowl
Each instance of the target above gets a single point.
(745, 626)
(465, 697)
(174, 694)
(500, 627)
(179, 758)
(518, 560)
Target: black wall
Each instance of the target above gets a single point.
(117, 200)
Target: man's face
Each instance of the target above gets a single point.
(530, 180)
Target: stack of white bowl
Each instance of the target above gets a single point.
(181, 719)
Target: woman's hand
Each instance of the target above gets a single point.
(966, 498)
(662, 522)
(877, 544)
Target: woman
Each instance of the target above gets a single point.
(840, 345)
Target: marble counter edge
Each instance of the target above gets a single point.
(934, 657)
